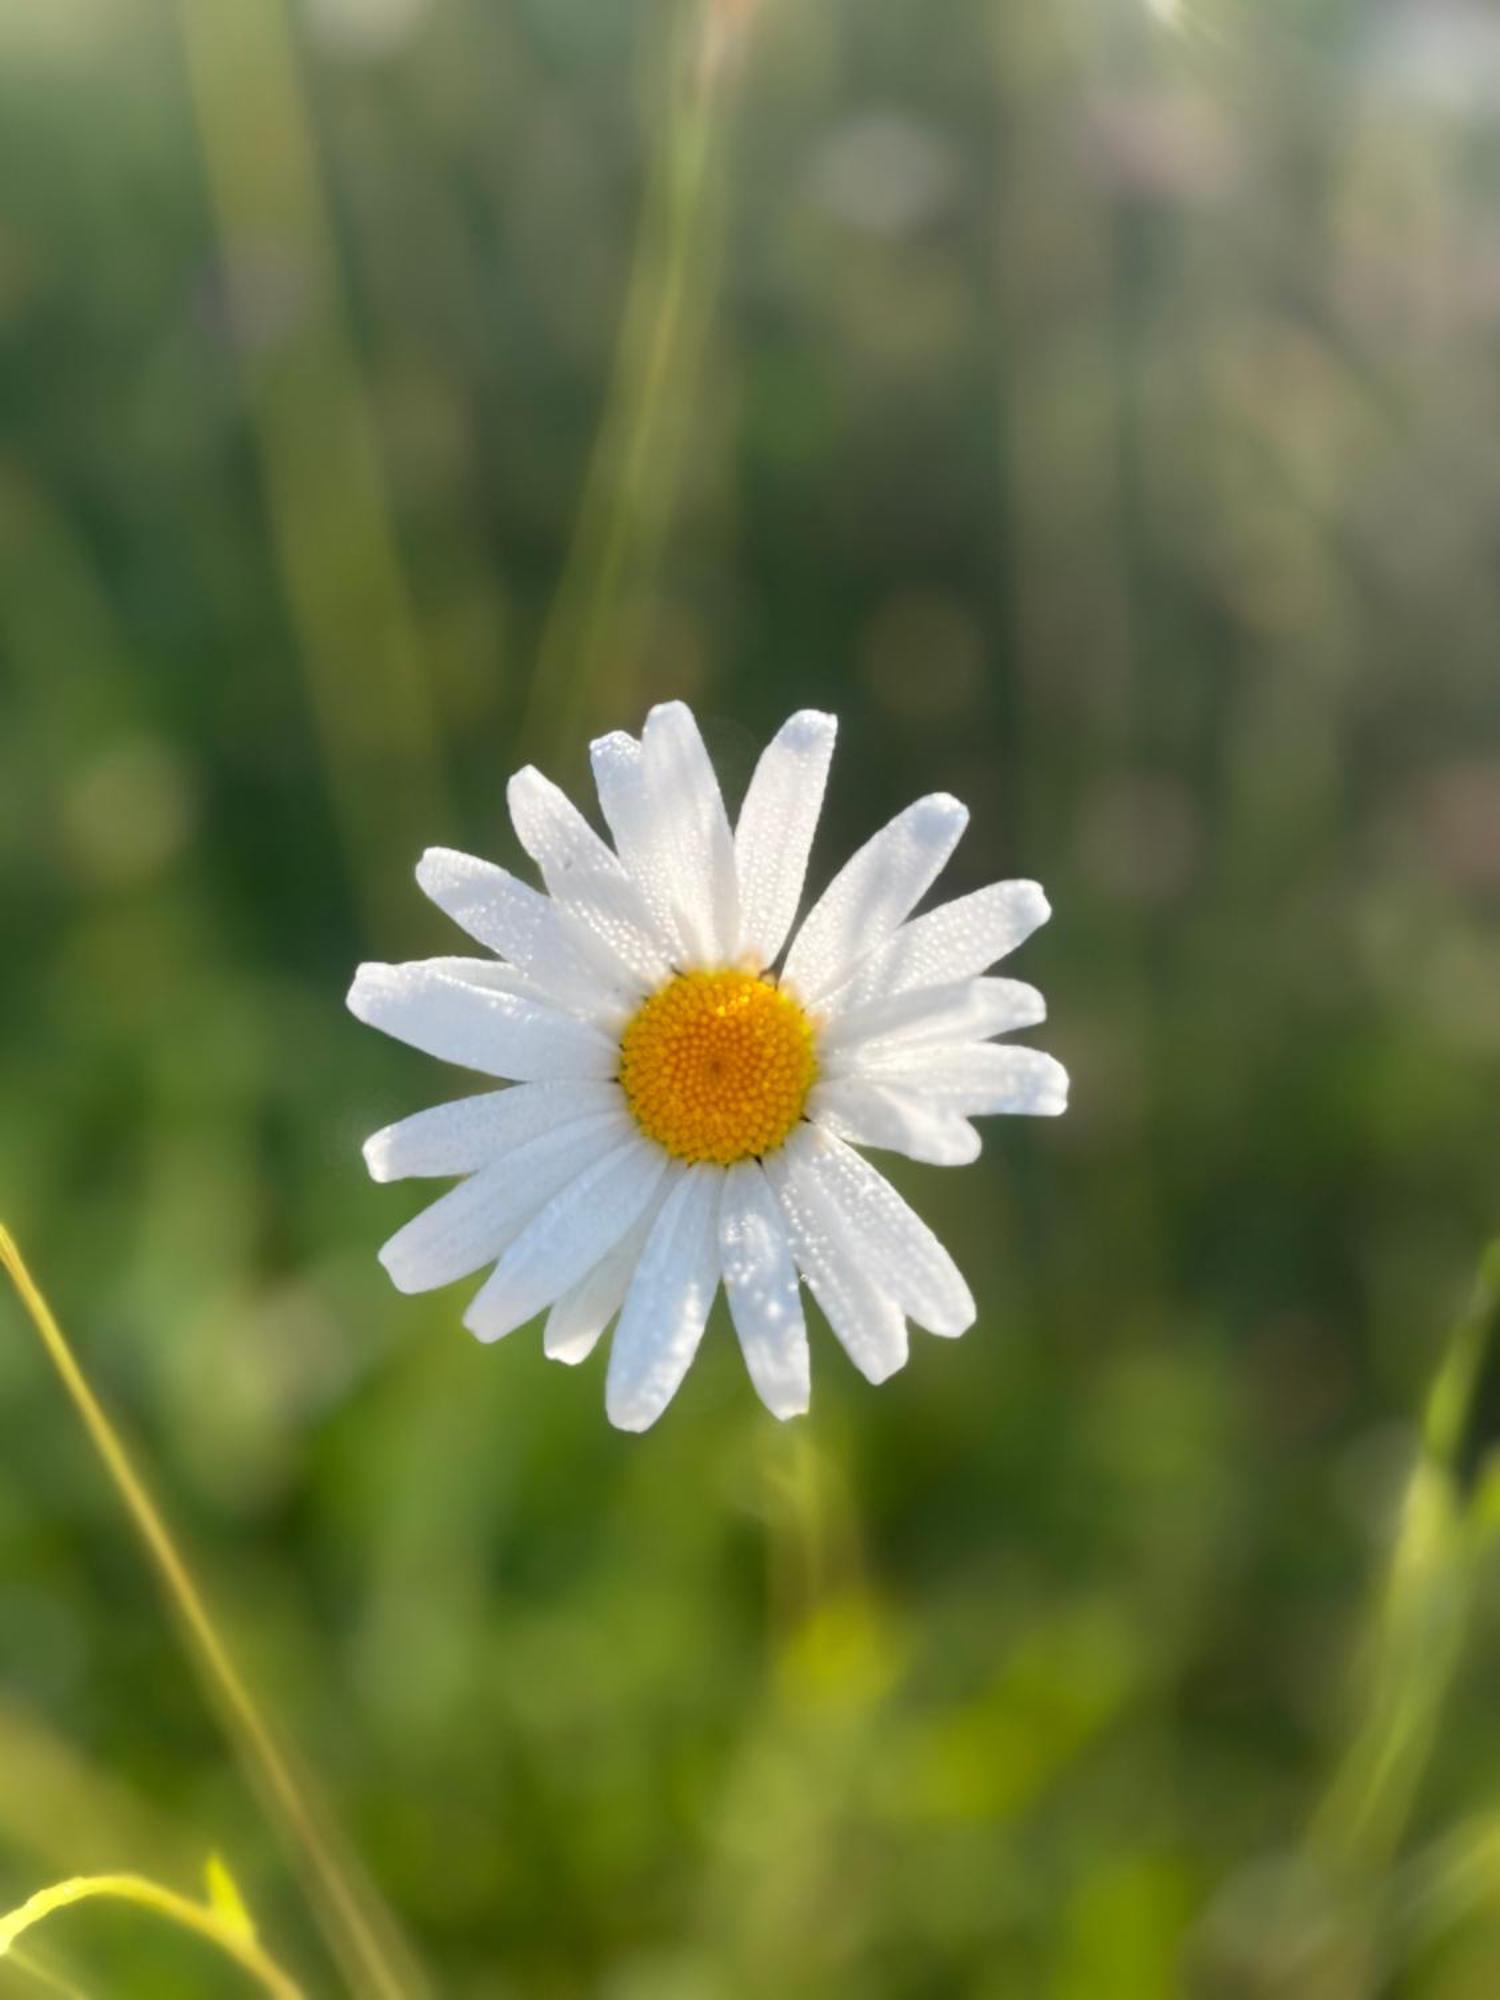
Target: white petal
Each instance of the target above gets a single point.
(776, 826)
(970, 1011)
(700, 847)
(642, 833)
(486, 901)
(474, 1222)
(553, 831)
(760, 1282)
(582, 1313)
(866, 1319)
(586, 877)
(565, 1239)
(667, 1305)
(489, 973)
(609, 909)
(524, 928)
(894, 1243)
(950, 943)
(873, 893)
(899, 1121)
(477, 1027)
(979, 1078)
(460, 1137)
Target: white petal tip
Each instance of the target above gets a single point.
(618, 743)
(376, 1152)
(953, 1154)
(484, 1333)
(489, 1323)
(807, 728)
(957, 1327)
(1045, 1092)
(631, 1417)
(786, 1411)
(436, 866)
(878, 1372)
(1019, 907)
(571, 1356)
(402, 1275)
(941, 810)
(664, 711)
(364, 992)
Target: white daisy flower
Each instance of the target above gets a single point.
(685, 1091)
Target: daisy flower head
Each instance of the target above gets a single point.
(685, 1090)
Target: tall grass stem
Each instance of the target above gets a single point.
(628, 486)
(362, 1939)
(328, 508)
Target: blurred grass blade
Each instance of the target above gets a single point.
(45, 1976)
(314, 431)
(1424, 1608)
(1456, 1876)
(201, 1918)
(224, 1897)
(58, 1807)
(813, 1552)
(628, 487)
(361, 1937)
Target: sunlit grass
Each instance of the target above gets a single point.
(364, 1941)
(222, 1919)
(1367, 1905)
(1443, 1527)
(326, 503)
(632, 472)
(1000, 1686)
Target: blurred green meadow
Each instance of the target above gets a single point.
(1096, 404)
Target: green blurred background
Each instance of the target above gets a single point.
(1096, 404)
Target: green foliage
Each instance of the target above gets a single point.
(1095, 405)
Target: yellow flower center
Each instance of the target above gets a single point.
(717, 1066)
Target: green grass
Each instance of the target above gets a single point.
(1092, 406)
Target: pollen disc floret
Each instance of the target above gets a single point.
(717, 1066)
